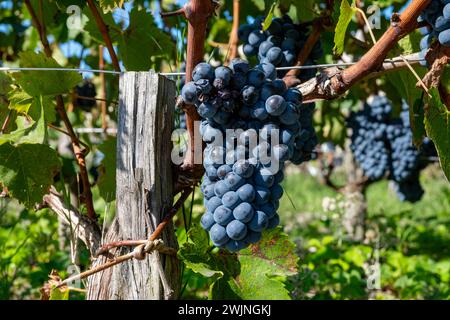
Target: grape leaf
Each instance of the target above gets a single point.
(27, 170)
(275, 252)
(268, 20)
(437, 125)
(304, 9)
(196, 256)
(22, 102)
(346, 14)
(49, 10)
(403, 86)
(416, 116)
(107, 179)
(255, 273)
(225, 289)
(36, 83)
(260, 4)
(59, 294)
(19, 100)
(143, 40)
(27, 166)
(28, 133)
(5, 83)
(273, 256)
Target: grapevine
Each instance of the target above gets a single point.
(224, 149)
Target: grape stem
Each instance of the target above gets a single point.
(80, 153)
(331, 84)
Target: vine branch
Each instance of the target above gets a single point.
(143, 246)
(334, 82)
(76, 145)
(103, 28)
(197, 13)
(84, 228)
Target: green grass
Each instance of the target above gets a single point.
(412, 242)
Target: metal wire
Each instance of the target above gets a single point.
(59, 69)
(96, 130)
(180, 74)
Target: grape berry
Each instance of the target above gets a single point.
(437, 15)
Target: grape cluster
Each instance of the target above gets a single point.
(437, 15)
(86, 89)
(279, 45)
(382, 145)
(251, 124)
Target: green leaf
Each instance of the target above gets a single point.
(268, 20)
(28, 133)
(260, 4)
(416, 116)
(107, 179)
(302, 10)
(258, 272)
(225, 289)
(59, 294)
(27, 170)
(410, 43)
(196, 256)
(5, 83)
(346, 14)
(143, 40)
(273, 256)
(275, 252)
(22, 102)
(437, 125)
(36, 83)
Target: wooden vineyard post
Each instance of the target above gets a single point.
(144, 191)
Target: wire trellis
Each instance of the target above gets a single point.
(180, 74)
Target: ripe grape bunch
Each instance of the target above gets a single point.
(382, 144)
(243, 110)
(280, 44)
(86, 90)
(437, 15)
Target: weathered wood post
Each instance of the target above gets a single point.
(144, 190)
